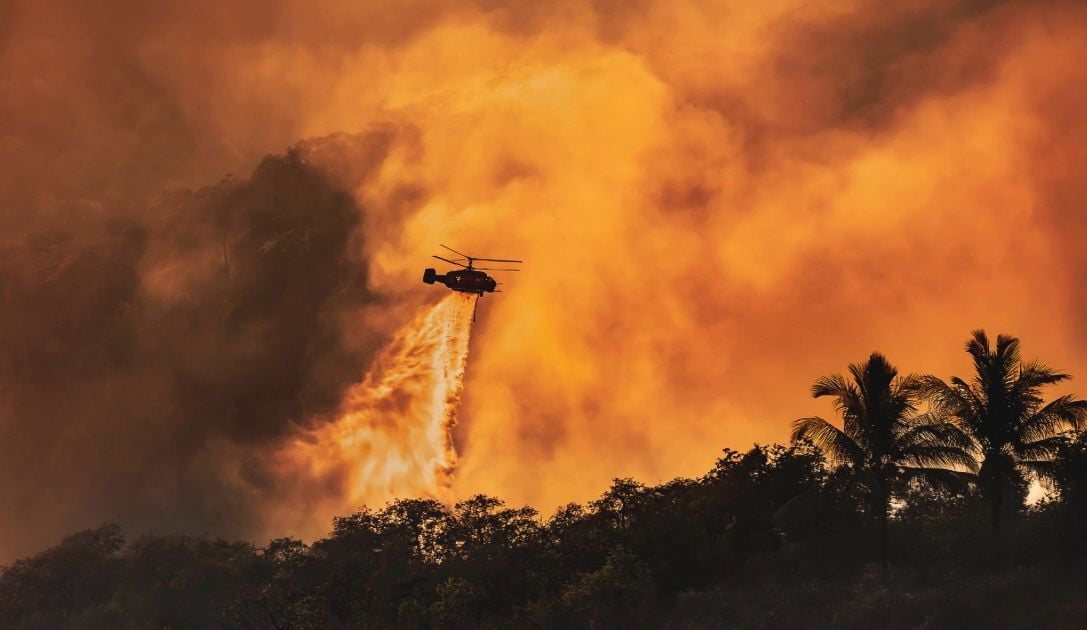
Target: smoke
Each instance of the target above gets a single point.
(132, 345)
(717, 203)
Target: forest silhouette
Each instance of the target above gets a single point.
(907, 510)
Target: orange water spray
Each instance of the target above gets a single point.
(394, 434)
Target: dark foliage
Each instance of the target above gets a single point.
(617, 562)
(768, 538)
(771, 537)
(1015, 431)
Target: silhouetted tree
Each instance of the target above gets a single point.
(1003, 410)
(617, 595)
(458, 605)
(182, 581)
(575, 540)
(884, 438)
(494, 548)
(749, 491)
(1069, 476)
(53, 588)
(619, 504)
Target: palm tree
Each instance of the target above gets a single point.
(1016, 433)
(884, 438)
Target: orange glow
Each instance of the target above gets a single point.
(717, 202)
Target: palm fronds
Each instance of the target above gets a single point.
(838, 446)
(1003, 411)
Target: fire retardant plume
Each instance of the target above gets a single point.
(394, 434)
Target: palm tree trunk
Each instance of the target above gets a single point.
(992, 484)
(884, 547)
(882, 506)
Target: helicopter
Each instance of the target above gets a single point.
(468, 279)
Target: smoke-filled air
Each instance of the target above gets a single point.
(216, 215)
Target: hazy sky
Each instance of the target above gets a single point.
(216, 213)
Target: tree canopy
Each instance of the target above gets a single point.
(779, 535)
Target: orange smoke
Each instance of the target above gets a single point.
(718, 202)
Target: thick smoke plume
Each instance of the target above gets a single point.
(131, 348)
(717, 203)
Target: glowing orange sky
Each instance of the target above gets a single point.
(717, 202)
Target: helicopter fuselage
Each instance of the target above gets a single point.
(463, 280)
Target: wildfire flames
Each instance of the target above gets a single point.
(393, 436)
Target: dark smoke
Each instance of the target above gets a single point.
(132, 345)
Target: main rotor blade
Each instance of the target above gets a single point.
(494, 269)
(451, 262)
(499, 260)
(456, 252)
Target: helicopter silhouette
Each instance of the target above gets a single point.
(469, 278)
